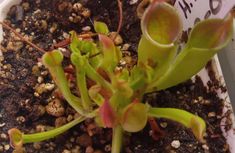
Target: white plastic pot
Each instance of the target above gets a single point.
(6, 4)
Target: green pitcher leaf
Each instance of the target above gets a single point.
(189, 120)
(161, 26)
(211, 34)
(161, 23)
(18, 138)
(206, 39)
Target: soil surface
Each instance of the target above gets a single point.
(26, 88)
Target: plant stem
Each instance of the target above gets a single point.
(120, 10)
(92, 74)
(61, 81)
(117, 139)
(53, 61)
(37, 137)
(81, 83)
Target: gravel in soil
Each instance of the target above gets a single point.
(28, 95)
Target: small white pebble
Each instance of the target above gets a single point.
(205, 147)
(122, 62)
(20, 119)
(3, 136)
(66, 151)
(175, 144)
(211, 114)
(66, 35)
(77, 6)
(62, 49)
(7, 147)
(195, 101)
(69, 118)
(86, 28)
(126, 47)
(2, 125)
(49, 86)
(163, 124)
(40, 79)
(132, 2)
(18, 30)
(200, 98)
(36, 94)
(108, 148)
(39, 64)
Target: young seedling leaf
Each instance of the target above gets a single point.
(189, 120)
(101, 27)
(110, 54)
(94, 93)
(79, 62)
(161, 27)
(75, 42)
(123, 87)
(81, 47)
(206, 39)
(134, 117)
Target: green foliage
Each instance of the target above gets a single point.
(189, 120)
(101, 27)
(205, 40)
(134, 117)
(115, 98)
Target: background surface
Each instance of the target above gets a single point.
(227, 56)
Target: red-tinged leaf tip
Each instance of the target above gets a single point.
(110, 53)
(107, 114)
(211, 33)
(106, 42)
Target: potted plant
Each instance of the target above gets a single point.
(87, 80)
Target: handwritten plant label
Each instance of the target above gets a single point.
(197, 10)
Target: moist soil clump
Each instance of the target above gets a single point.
(27, 91)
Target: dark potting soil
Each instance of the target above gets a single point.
(23, 102)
